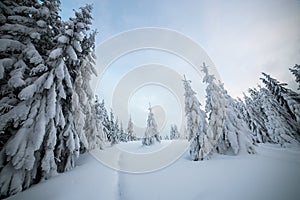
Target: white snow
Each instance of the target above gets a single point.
(10, 45)
(272, 173)
(138, 148)
(56, 53)
(63, 39)
(71, 52)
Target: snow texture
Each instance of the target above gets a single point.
(260, 176)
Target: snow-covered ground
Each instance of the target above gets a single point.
(272, 173)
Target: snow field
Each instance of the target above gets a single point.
(272, 173)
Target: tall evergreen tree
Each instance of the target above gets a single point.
(252, 115)
(123, 134)
(281, 129)
(215, 108)
(19, 58)
(288, 99)
(38, 93)
(102, 117)
(200, 145)
(238, 136)
(114, 130)
(131, 135)
(227, 131)
(174, 134)
(22, 72)
(151, 134)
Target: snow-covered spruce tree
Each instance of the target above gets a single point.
(19, 57)
(90, 133)
(237, 133)
(281, 128)
(111, 125)
(43, 138)
(151, 133)
(123, 134)
(215, 108)
(131, 135)
(255, 107)
(102, 117)
(114, 130)
(288, 99)
(174, 134)
(69, 58)
(200, 145)
(226, 130)
(254, 119)
(22, 65)
(52, 26)
(296, 72)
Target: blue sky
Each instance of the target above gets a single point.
(242, 38)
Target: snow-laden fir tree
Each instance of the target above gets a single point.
(281, 128)
(115, 131)
(123, 134)
(253, 119)
(131, 135)
(215, 108)
(174, 134)
(151, 133)
(52, 26)
(37, 89)
(238, 136)
(200, 145)
(257, 117)
(296, 72)
(227, 131)
(111, 125)
(82, 70)
(20, 35)
(101, 115)
(288, 99)
(23, 65)
(71, 56)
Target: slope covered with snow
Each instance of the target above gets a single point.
(272, 173)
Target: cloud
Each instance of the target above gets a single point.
(243, 38)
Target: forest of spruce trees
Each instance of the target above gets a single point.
(49, 114)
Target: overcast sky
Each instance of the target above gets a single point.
(242, 38)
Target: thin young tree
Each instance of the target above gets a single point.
(151, 133)
(131, 135)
